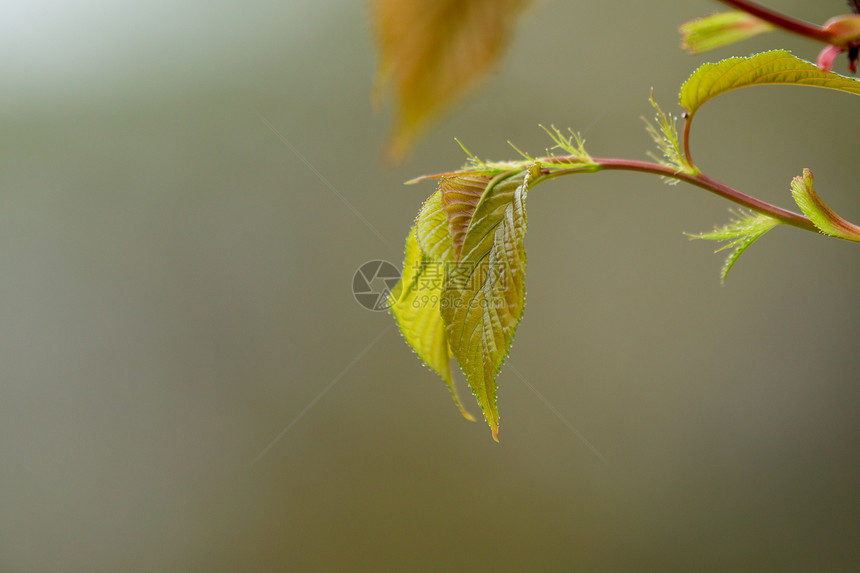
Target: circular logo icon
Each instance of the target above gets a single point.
(372, 284)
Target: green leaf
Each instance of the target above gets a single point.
(416, 298)
(718, 30)
(818, 212)
(484, 293)
(768, 68)
(573, 145)
(740, 233)
(431, 230)
(460, 197)
(666, 138)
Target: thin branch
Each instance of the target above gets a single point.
(687, 124)
(783, 21)
(700, 180)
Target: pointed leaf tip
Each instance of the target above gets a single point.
(484, 291)
(415, 298)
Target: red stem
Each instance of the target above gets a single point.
(783, 21)
(688, 122)
(701, 180)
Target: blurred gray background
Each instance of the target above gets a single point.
(179, 186)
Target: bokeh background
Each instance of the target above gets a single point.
(187, 384)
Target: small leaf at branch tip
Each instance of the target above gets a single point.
(822, 216)
(496, 434)
(845, 29)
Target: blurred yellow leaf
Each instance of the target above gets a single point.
(432, 51)
(721, 29)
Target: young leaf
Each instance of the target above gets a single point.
(827, 57)
(768, 68)
(718, 30)
(666, 138)
(416, 298)
(432, 51)
(573, 145)
(845, 29)
(818, 212)
(484, 293)
(740, 233)
(460, 196)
